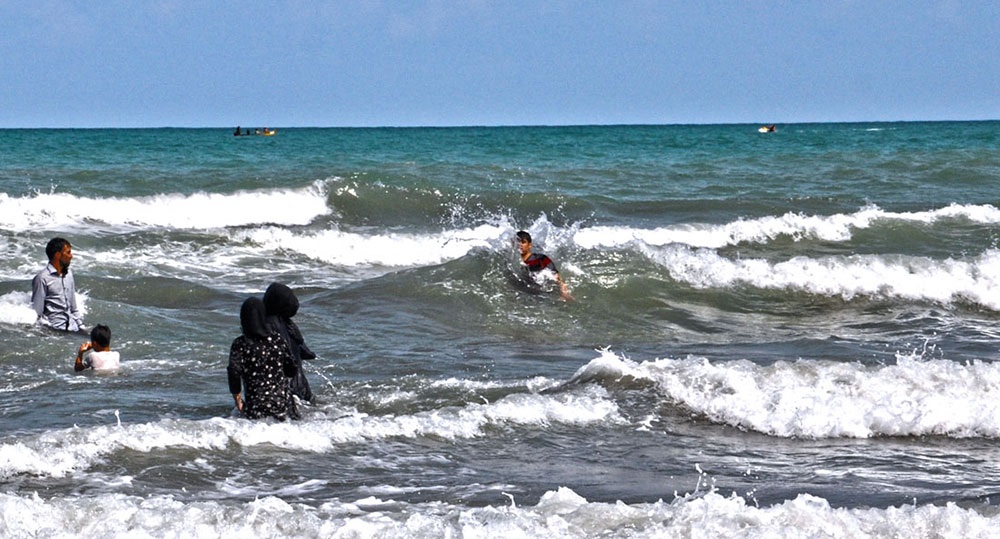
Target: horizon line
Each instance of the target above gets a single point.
(485, 126)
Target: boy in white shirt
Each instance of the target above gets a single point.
(97, 353)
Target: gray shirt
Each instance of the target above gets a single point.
(54, 298)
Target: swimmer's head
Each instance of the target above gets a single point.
(101, 336)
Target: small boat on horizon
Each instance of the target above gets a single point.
(255, 133)
(766, 129)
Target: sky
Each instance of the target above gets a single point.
(344, 63)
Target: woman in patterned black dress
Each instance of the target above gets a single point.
(280, 305)
(259, 367)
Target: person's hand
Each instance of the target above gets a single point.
(239, 402)
(78, 364)
(564, 290)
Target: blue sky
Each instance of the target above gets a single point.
(277, 63)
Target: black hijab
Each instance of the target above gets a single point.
(279, 300)
(252, 319)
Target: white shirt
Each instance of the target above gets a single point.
(101, 361)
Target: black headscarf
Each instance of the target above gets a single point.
(252, 319)
(279, 300)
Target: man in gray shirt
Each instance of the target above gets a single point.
(53, 291)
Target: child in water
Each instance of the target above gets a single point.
(96, 353)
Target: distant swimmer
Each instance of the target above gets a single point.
(53, 290)
(537, 264)
(96, 353)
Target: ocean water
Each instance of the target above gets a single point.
(790, 334)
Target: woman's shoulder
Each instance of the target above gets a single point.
(275, 339)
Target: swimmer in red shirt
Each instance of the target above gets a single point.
(537, 262)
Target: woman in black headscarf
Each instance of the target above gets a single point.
(260, 362)
(281, 305)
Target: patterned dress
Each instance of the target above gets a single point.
(262, 367)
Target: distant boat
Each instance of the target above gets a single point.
(766, 129)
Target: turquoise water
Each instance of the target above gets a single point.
(792, 326)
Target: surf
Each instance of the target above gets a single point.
(198, 211)
(810, 398)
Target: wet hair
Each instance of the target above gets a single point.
(524, 236)
(101, 335)
(252, 319)
(54, 246)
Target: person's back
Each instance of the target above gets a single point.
(108, 360)
(281, 305)
(97, 354)
(259, 364)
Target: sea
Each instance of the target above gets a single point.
(783, 334)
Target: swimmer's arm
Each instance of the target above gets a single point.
(563, 288)
(78, 365)
(234, 372)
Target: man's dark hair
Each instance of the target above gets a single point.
(54, 246)
(524, 236)
(101, 335)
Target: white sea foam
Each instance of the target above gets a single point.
(833, 228)
(16, 309)
(60, 452)
(823, 399)
(354, 249)
(882, 276)
(558, 514)
(195, 211)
